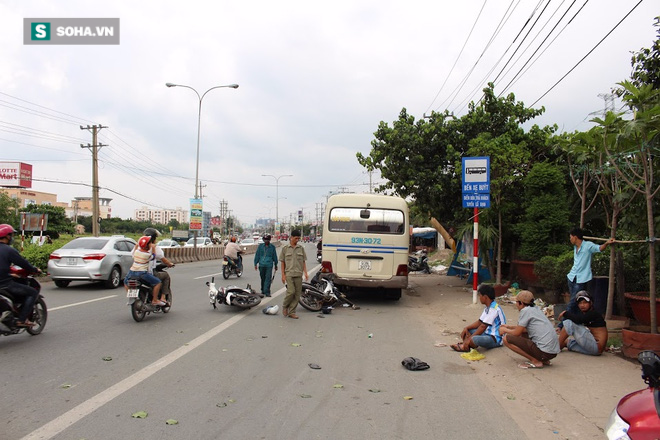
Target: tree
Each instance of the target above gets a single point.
(421, 159)
(637, 148)
(8, 209)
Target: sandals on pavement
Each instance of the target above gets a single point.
(459, 347)
(528, 366)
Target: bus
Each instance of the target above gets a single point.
(365, 242)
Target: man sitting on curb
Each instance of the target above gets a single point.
(584, 332)
(542, 343)
(485, 332)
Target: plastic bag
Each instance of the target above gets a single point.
(473, 355)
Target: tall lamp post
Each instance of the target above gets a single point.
(277, 199)
(199, 123)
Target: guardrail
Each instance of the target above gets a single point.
(214, 252)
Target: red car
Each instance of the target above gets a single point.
(637, 415)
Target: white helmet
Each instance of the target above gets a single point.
(271, 310)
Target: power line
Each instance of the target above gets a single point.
(588, 53)
(499, 27)
(41, 106)
(458, 57)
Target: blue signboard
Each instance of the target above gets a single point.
(476, 182)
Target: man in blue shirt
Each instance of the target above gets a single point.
(580, 273)
(265, 258)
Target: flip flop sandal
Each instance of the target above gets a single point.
(528, 366)
(459, 347)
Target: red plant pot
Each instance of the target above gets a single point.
(641, 307)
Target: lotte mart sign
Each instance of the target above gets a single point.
(476, 182)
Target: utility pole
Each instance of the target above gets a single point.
(94, 147)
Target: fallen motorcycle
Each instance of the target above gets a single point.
(232, 296)
(139, 298)
(229, 267)
(321, 293)
(9, 306)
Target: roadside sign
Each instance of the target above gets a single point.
(476, 182)
(196, 214)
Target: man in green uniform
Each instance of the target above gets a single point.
(292, 258)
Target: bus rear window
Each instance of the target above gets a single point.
(370, 220)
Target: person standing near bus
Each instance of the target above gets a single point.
(293, 259)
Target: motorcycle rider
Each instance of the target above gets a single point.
(162, 275)
(143, 252)
(234, 251)
(23, 293)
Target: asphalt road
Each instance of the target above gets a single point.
(229, 373)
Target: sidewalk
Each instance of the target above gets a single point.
(571, 399)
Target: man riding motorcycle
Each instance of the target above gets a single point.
(234, 251)
(23, 293)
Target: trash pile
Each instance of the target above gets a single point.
(510, 298)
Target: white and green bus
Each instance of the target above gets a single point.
(365, 242)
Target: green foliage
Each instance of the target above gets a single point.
(552, 271)
(546, 219)
(38, 255)
(8, 210)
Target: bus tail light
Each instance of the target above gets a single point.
(402, 270)
(326, 267)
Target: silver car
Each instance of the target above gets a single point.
(168, 243)
(105, 259)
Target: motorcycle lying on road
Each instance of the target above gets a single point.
(419, 262)
(232, 296)
(139, 297)
(321, 293)
(637, 415)
(9, 306)
(229, 267)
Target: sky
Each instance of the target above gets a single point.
(315, 80)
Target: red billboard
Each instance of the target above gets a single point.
(16, 174)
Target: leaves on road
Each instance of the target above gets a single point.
(171, 422)
(140, 415)
(338, 385)
(305, 396)
(295, 344)
(374, 390)
(314, 366)
(65, 386)
(407, 397)
(107, 358)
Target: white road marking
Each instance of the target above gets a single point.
(82, 302)
(56, 426)
(207, 276)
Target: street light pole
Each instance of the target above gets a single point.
(199, 125)
(277, 199)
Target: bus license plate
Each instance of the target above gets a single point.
(364, 265)
(132, 293)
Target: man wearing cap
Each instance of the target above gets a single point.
(586, 331)
(293, 259)
(542, 343)
(265, 258)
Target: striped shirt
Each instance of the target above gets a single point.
(141, 260)
(493, 317)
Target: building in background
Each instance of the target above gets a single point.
(28, 196)
(82, 207)
(161, 216)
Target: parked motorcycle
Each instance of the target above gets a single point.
(9, 306)
(139, 297)
(230, 267)
(637, 415)
(233, 296)
(321, 293)
(419, 262)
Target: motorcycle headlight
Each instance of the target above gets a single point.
(617, 428)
